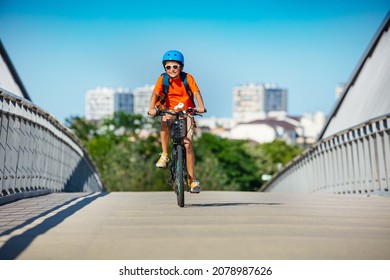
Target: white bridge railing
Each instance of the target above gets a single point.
(37, 153)
(355, 161)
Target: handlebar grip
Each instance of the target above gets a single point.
(205, 111)
(158, 113)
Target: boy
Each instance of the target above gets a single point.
(173, 62)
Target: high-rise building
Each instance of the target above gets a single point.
(104, 102)
(142, 99)
(255, 101)
(275, 99)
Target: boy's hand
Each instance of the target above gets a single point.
(152, 112)
(200, 109)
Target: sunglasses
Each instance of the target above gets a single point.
(168, 67)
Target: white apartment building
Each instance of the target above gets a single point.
(103, 102)
(255, 101)
(142, 98)
(301, 130)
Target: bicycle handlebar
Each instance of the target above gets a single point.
(188, 111)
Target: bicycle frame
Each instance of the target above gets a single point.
(178, 167)
(178, 163)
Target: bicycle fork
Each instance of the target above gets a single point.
(173, 180)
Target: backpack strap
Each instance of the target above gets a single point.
(161, 99)
(183, 77)
(165, 83)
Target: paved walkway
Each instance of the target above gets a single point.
(213, 225)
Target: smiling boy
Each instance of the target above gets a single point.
(173, 62)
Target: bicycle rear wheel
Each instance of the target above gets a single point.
(180, 176)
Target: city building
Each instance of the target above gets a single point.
(302, 130)
(311, 125)
(254, 101)
(142, 99)
(103, 102)
(267, 130)
(216, 126)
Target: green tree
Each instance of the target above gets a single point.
(270, 156)
(83, 129)
(125, 160)
(130, 170)
(232, 160)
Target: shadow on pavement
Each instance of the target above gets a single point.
(13, 247)
(230, 204)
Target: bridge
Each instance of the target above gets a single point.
(331, 202)
(212, 226)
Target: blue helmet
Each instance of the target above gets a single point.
(174, 56)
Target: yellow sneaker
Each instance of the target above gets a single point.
(195, 186)
(163, 160)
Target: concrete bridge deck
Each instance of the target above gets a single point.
(213, 225)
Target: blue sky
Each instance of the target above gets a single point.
(63, 48)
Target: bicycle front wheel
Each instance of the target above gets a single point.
(180, 176)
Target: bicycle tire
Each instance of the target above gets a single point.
(180, 176)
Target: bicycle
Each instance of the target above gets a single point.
(178, 164)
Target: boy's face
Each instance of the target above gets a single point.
(173, 68)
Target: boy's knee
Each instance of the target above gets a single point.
(164, 126)
(187, 143)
